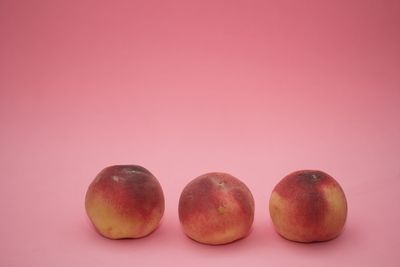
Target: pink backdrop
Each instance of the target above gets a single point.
(257, 89)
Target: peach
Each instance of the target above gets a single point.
(308, 206)
(216, 208)
(125, 201)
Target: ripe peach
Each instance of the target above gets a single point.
(125, 201)
(308, 206)
(216, 208)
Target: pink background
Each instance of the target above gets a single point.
(257, 89)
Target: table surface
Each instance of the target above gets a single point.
(257, 89)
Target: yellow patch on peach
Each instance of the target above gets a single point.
(115, 225)
(337, 210)
(281, 214)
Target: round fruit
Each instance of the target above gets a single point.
(125, 201)
(216, 208)
(308, 206)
